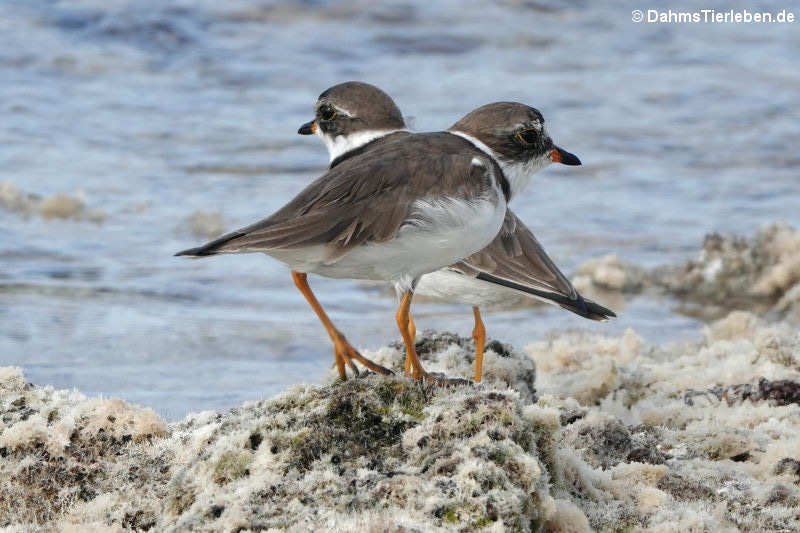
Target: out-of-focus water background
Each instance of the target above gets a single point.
(147, 112)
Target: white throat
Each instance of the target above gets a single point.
(517, 174)
(341, 144)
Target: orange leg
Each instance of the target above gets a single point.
(343, 351)
(479, 334)
(403, 323)
(412, 331)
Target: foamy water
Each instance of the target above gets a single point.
(149, 114)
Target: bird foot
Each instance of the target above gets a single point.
(348, 353)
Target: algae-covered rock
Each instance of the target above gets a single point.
(59, 206)
(452, 355)
(624, 436)
(62, 453)
(699, 436)
(608, 273)
(737, 273)
(206, 224)
(374, 453)
(760, 274)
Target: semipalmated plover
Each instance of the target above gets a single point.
(361, 114)
(404, 208)
(354, 117)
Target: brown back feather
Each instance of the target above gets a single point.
(369, 197)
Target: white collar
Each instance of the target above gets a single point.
(341, 144)
(517, 174)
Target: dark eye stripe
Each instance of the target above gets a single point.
(327, 112)
(526, 136)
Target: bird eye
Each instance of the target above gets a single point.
(526, 136)
(327, 112)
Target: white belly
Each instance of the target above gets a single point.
(454, 288)
(445, 233)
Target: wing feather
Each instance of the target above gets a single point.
(515, 259)
(366, 198)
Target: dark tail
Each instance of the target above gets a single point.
(594, 311)
(211, 248)
(580, 306)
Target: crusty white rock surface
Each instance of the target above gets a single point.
(367, 454)
(57, 206)
(759, 274)
(702, 436)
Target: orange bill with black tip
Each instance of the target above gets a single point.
(309, 128)
(558, 155)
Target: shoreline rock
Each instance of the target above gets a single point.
(620, 434)
(58, 206)
(368, 453)
(760, 274)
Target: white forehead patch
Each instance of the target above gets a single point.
(535, 124)
(343, 111)
(340, 110)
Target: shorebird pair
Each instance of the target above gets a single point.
(408, 208)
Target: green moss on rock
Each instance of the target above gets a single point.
(232, 465)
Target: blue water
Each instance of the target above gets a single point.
(154, 110)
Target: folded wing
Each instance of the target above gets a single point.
(367, 198)
(516, 260)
